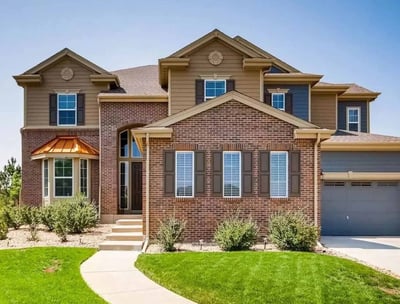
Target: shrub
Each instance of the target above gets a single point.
(3, 225)
(235, 233)
(13, 216)
(31, 217)
(60, 215)
(170, 232)
(292, 231)
(47, 217)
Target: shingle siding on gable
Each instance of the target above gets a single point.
(360, 161)
(342, 114)
(300, 98)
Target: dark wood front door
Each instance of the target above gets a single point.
(136, 186)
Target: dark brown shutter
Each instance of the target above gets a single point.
(53, 109)
(267, 98)
(199, 91)
(80, 115)
(199, 172)
(294, 173)
(230, 85)
(169, 173)
(263, 181)
(289, 103)
(217, 173)
(247, 169)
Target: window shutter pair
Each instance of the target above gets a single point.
(293, 178)
(199, 88)
(80, 108)
(199, 173)
(288, 101)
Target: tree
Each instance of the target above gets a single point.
(10, 182)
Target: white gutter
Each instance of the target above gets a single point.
(147, 192)
(316, 179)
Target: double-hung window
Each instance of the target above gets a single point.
(184, 168)
(279, 174)
(353, 119)
(63, 177)
(214, 88)
(66, 109)
(232, 174)
(83, 178)
(278, 101)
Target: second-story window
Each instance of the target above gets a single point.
(278, 101)
(214, 88)
(353, 119)
(66, 109)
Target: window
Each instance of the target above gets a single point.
(123, 184)
(278, 101)
(184, 174)
(123, 144)
(232, 174)
(83, 181)
(279, 174)
(214, 88)
(45, 178)
(63, 177)
(135, 150)
(353, 119)
(67, 109)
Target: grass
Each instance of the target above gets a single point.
(269, 277)
(44, 275)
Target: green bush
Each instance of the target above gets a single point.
(31, 217)
(60, 215)
(292, 231)
(170, 232)
(13, 215)
(47, 217)
(235, 233)
(3, 225)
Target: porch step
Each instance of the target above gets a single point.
(130, 222)
(121, 245)
(125, 236)
(127, 228)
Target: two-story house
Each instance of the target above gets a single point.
(219, 126)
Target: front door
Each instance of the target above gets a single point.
(136, 187)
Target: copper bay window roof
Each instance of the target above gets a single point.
(65, 146)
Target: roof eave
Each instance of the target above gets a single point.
(360, 146)
(27, 79)
(359, 96)
(311, 79)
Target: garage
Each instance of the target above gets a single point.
(360, 208)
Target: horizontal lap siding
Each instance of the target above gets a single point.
(323, 110)
(182, 89)
(38, 96)
(342, 114)
(360, 161)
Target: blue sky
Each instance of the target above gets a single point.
(347, 41)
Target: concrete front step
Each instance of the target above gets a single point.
(125, 236)
(130, 222)
(121, 245)
(127, 228)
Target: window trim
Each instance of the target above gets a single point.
(287, 174)
(55, 178)
(75, 109)
(87, 176)
(223, 174)
(44, 184)
(127, 172)
(284, 101)
(206, 98)
(358, 120)
(176, 175)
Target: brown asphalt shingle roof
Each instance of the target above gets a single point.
(353, 87)
(342, 136)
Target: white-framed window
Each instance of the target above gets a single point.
(63, 177)
(184, 173)
(353, 119)
(66, 105)
(279, 174)
(135, 150)
(214, 88)
(45, 178)
(84, 177)
(232, 174)
(123, 184)
(278, 101)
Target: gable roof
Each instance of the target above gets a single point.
(236, 96)
(347, 91)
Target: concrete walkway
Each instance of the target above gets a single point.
(112, 275)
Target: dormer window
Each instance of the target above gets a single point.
(66, 109)
(214, 88)
(278, 101)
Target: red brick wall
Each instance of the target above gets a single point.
(115, 117)
(32, 169)
(222, 128)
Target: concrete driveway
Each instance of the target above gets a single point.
(381, 252)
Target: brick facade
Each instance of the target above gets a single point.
(229, 126)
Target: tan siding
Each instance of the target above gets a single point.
(37, 108)
(323, 110)
(183, 82)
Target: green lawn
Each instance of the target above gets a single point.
(269, 277)
(44, 275)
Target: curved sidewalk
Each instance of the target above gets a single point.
(112, 275)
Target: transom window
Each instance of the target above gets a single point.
(278, 101)
(124, 139)
(214, 88)
(353, 119)
(66, 109)
(184, 173)
(63, 177)
(232, 174)
(279, 174)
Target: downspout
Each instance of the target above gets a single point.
(146, 242)
(316, 176)
(100, 175)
